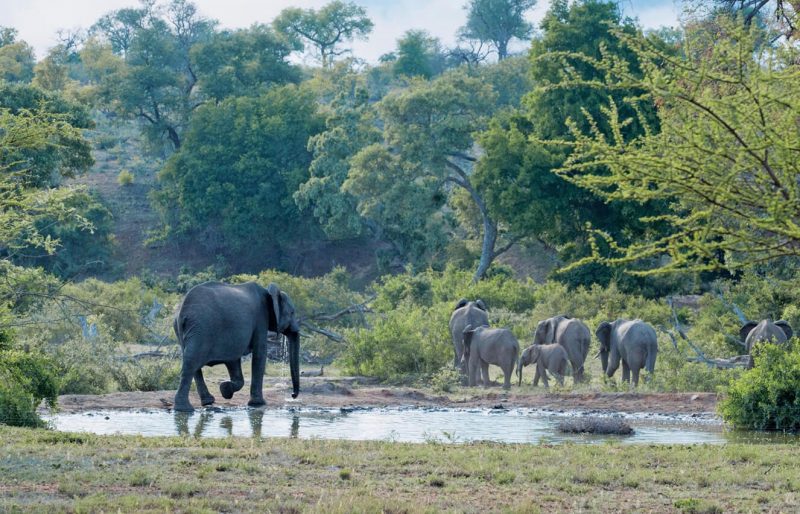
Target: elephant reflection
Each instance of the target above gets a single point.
(182, 423)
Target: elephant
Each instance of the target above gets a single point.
(484, 346)
(778, 332)
(219, 323)
(465, 313)
(570, 333)
(547, 357)
(632, 341)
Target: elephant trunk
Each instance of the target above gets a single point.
(294, 360)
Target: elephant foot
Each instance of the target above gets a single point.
(226, 388)
(183, 407)
(207, 400)
(256, 402)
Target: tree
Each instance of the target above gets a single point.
(66, 152)
(16, 57)
(326, 29)
(350, 126)
(418, 54)
(725, 156)
(497, 22)
(242, 161)
(155, 82)
(428, 143)
(516, 172)
(243, 62)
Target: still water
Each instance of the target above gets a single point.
(399, 424)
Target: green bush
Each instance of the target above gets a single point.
(125, 178)
(152, 374)
(405, 343)
(766, 397)
(25, 380)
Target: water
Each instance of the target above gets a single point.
(400, 424)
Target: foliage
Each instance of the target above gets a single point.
(41, 137)
(242, 160)
(25, 380)
(147, 374)
(125, 178)
(729, 110)
(765, 397)
(446, 379)
(349, 127)
(17, 58)
(497, 22)
(84, 240)
(325, 29)
(153, 80)
(243, 62)
(418, 55)
(401, 344)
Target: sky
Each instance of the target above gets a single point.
(38, 20)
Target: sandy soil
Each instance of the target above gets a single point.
(352, 392)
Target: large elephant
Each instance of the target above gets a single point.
(465, 313)
(570, 333)
(765, 330)
(634, 342)
(484, 346)
(219, 323)
(547, 357)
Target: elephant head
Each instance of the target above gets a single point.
(282, 318)
(603, 334)
(545, 331)
(529, 356)
(481, 305)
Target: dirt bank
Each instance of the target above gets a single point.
(347, 392)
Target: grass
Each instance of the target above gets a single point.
(44, 470)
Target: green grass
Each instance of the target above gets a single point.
(55, 471)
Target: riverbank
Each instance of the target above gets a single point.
(52, 471)
(352, 392)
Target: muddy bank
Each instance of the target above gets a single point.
(348, 392)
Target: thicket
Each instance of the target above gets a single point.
(766, 397)
(26, 379)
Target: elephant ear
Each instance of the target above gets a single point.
(787, 329)
(603, 334)
(462, 302)
(481, 305)
(275, 318)
(550, 330)
(746, 329)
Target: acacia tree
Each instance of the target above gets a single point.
(497, 22)
(326, 29)
(727, 155)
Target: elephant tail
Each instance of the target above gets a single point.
(650, 363)
(179, 326)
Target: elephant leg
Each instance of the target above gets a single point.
(236, 382)
(635, 372)
(507, 370)
(182, 395)
(257, 378)
(626, 372)
(485, 373)
(536, 377)
(206, 398)
(543, 372)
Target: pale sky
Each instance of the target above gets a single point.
(38, 20)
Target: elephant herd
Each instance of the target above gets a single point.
(560, 342)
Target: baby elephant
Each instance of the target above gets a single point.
(484, 346)
(547, 357)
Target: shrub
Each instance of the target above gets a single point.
(154, 374)
(766, 397)
(125, 178)
(409, 341)
(446, 379)
(25, 380)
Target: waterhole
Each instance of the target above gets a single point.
(401, 425)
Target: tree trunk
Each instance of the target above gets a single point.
(174, 138)
(502, 50)
(487, 247)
